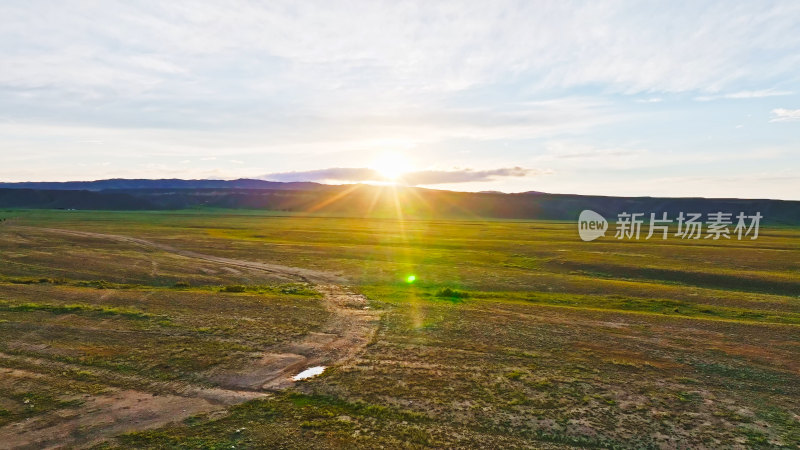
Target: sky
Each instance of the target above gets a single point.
(659, 98)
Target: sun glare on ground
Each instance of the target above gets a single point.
(391, 166)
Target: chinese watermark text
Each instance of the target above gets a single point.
(715, 226)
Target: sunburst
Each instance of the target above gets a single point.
(391, 166)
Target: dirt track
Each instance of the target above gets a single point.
(349, 330)
(296, 273)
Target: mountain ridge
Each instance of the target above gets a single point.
(162, 183)
(363, 200)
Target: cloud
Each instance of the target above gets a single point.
(417, 178)
(650, 100)
(332, 174)
(308, 55)
(785, 115)
(429, 177)
(744, 95)
(248, 64)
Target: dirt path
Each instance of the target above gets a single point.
(348, 331)
(297, 273)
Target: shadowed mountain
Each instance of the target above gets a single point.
(51, 199)
(385, 201)
(172, 183)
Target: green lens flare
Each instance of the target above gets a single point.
(411, 279)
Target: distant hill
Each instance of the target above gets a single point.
(50, 199)
(376, 201)
(172, 183)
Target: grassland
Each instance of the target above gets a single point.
(514, 334)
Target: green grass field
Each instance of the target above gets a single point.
(513, 334)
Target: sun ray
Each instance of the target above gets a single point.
(331, 199)
(376, 195)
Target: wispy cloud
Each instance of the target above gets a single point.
(417, 178)
(650, 100)
(308, 55)
(740, 95)
(431, 177)
(785, 115)
(347, 174)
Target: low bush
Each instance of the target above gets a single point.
(451, 293)
(233, 288)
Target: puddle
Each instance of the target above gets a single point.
(308, 373)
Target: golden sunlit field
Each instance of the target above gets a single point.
(183, 329)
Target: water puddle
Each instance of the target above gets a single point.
(309, 373)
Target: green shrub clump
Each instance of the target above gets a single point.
(451, 293)
(234, 288)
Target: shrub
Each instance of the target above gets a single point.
(515, 375)
(97, 284)
(233, 288)
(451, 293)
(297, 289)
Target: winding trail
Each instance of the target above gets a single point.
(296, 273)
(350, 328)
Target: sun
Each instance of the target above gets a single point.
(391, 166)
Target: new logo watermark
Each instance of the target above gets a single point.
(592, 225)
